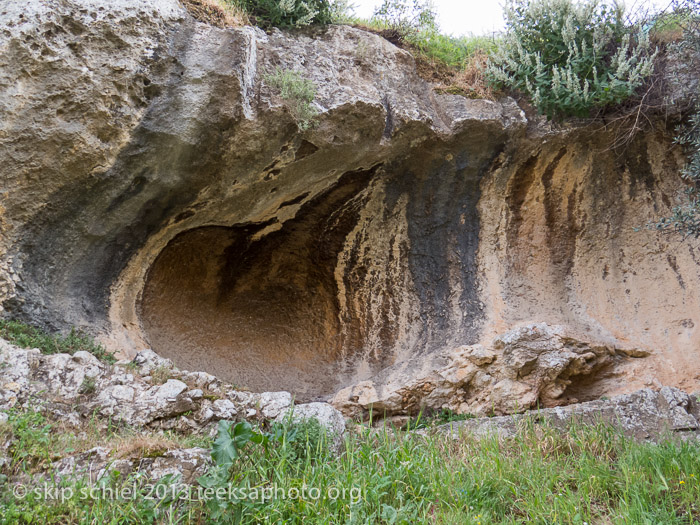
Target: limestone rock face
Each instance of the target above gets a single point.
(328, 417)
(126, 393)
(529, 365)
(157, 191)
(643, 415)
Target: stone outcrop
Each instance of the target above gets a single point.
(157, 192)
(146, 392)
(529, 366)
(99, 463)
(667, 413)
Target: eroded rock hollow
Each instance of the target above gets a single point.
(410, 249)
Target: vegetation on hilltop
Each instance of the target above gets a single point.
(684, 20)
(571, 58)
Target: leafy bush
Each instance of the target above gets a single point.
(298, 92)
(570, 58)
(408, 18)
(26, 336)
(289, 13)
(685, 219)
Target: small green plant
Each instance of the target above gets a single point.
(289, 13)
(26, 336)
(297, 92)
(570, 57)
(88, 385)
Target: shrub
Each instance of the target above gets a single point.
(408, 18)
(288, 13)
(685, 219)
(298, 92)
(570, 58)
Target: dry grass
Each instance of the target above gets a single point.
(143, 446)
(216, 12)
(470, 81)
(161, 374)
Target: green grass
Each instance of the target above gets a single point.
(669, 26)
(591, 475)
(26, 336)
(433, 46)
(454, 52)
(440, 417)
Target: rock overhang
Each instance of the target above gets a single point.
(438, 247)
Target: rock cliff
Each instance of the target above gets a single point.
(158, 192)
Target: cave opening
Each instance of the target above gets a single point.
(257, 304)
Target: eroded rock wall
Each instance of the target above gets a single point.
(571, 247)
(156, 191)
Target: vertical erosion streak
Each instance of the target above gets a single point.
(377, 306)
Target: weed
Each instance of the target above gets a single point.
(88, 385)
(161, 374)
(297, 92)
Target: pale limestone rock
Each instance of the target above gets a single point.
(645, 415)
(99, 462)
(224, 409)
(530, 364)
(147, 361)
(171, 389)
(327, 416)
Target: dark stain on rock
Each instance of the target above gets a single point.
(673, 263)
(517, 194)
(295, 200)
(305, 149)
(182, 216)
(639, 167)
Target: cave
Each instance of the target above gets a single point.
(257, 304)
